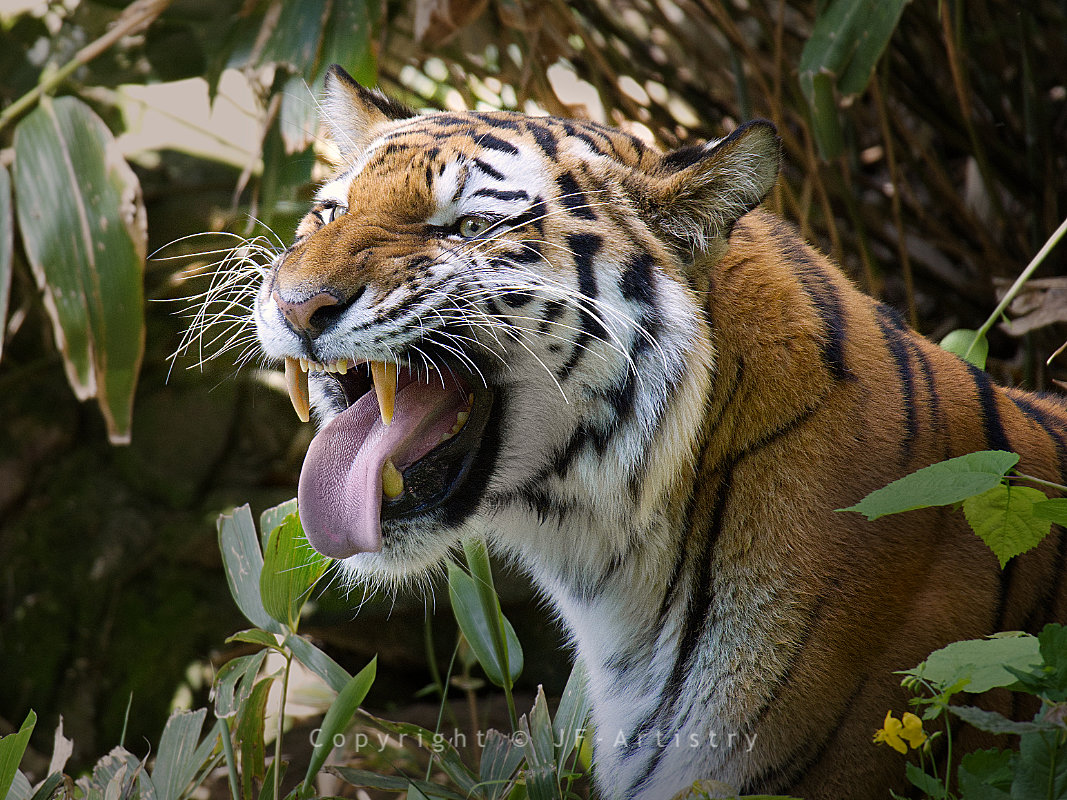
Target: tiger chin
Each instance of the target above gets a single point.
(652, 396)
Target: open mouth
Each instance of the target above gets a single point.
(404, 446)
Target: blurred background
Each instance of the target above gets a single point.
(926, 150)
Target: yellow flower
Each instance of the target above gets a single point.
(895, 732)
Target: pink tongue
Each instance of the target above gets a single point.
(340, 492)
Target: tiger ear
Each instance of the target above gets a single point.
(699, 192)
(353, 113)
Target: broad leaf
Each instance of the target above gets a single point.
(7, 250)
(337, 718)
(927, 784)
(992, 722)
(571, 716)
(987, 774)
(500, 758)
(83, 225)
(273, 517)
(1054, 510)
(234, 683)
(939, 484)
(1004, 519)
(968, 345)
(291, 568)
(243, 561)
(1041, 769)
(980, 663)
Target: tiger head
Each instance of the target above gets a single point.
(493, 315)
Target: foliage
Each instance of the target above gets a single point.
(1034, 666)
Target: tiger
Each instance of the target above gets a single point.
(652, 395)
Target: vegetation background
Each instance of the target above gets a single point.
(926, 149)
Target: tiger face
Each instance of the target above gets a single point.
(489, 311)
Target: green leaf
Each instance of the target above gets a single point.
(20, 787)
(337, 718)
(297, 37)
(846, 42)
(266, 791)
(444, 753)
(1004, 519)
(273, 517)
(571, 716)
(968, 345)
(939, 484)
(1041, 768)
(372, 780)
(234, 683)
(986, 774)
(12, 747)
(1054, 510)
(251, 718)
(175, 760)
(254, 636)
(992, 722)
(979, 664)
(500, 759)
(314, 659)
(48, 787)
(83, 225)
(7, 250)
(927, 784)
(291, 568)
(477, 620)
(243, 561)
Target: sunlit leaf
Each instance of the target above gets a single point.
(1054, 510)
(1004, 518)
(291, 568)
(476, 619)
(12, 747)
(82, 222)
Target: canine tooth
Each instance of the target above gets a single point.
(384, 377)
(304, 364)
(392, 480)
(342, 366)
(462, 417)
(296, 381)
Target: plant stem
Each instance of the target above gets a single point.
(1051, 242)
(1024, 477)
(135, 18)
(231, 762)
(281, 723)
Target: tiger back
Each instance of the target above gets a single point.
(652, 396)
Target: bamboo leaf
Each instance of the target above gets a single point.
(176, 761)
(337, 718)
(291, 568)
(83, 225)
(11, 749)
(243, 562)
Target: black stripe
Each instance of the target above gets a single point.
(895, 342)
(697, 611)
(637, 283)
(549, 314)
(534, 215)
(995, 435)
(502, 194)
(491, 142)
(573, 131)
(937, 421)
(488, 169)
(572, 197)
(545, 138)
(585, 246)
(561, 462)
(778, 777)
(1052, 426)
(824, 296)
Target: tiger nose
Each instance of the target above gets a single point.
(310, 316)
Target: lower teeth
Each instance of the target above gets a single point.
(392, 480)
